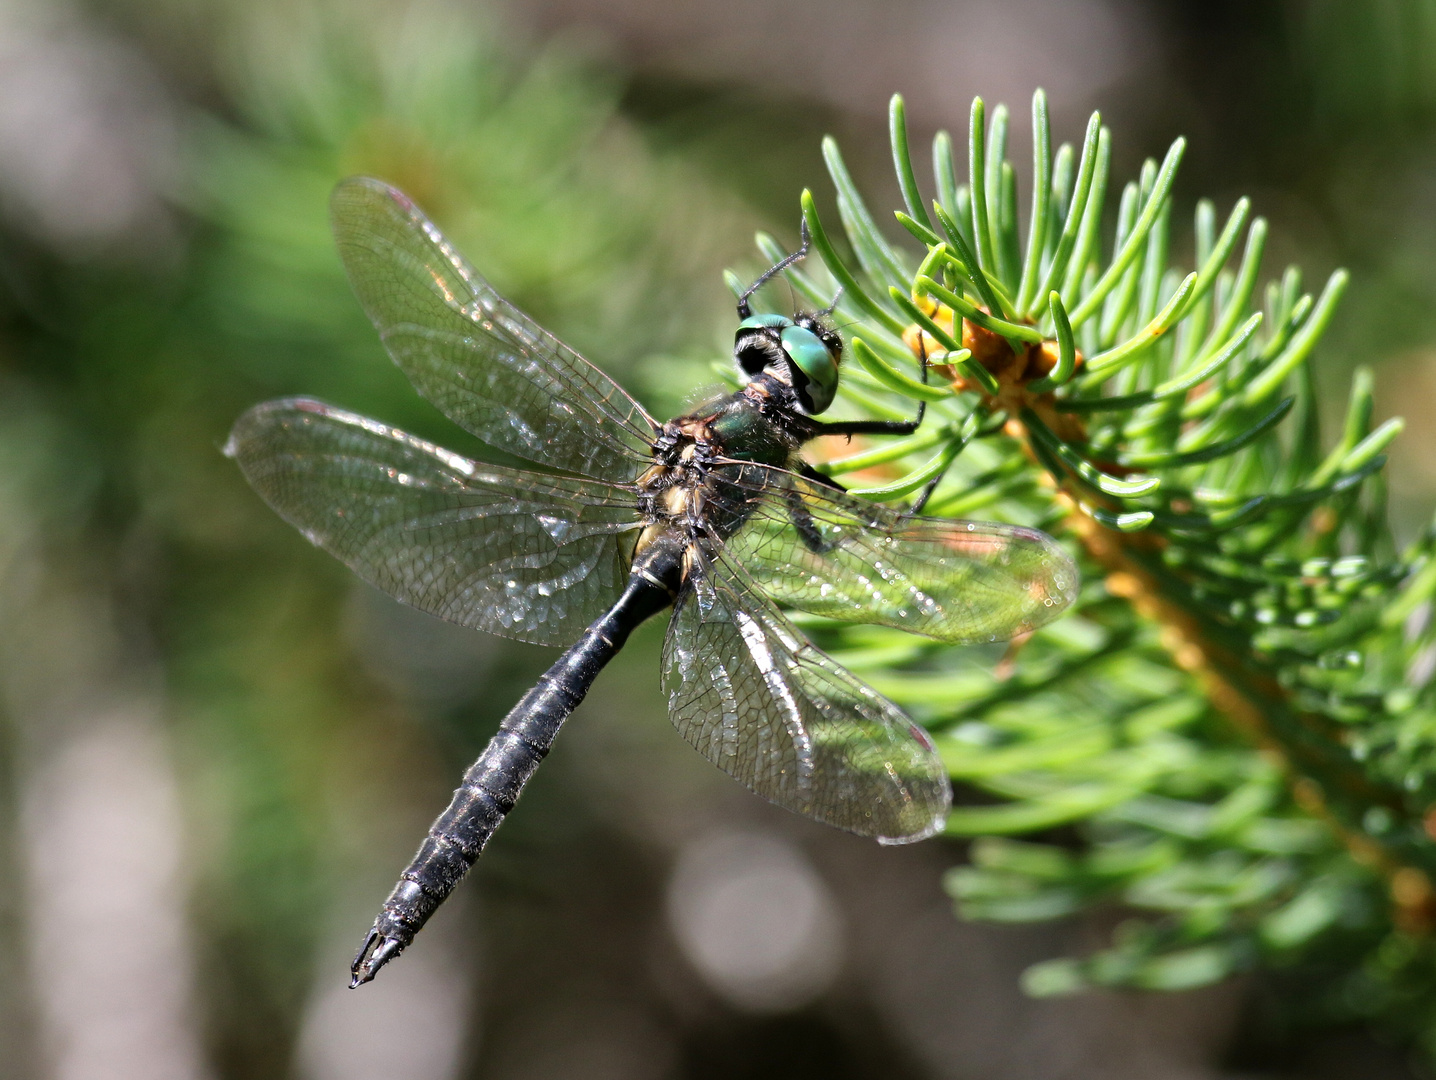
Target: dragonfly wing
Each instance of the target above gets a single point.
(816, 549)
(519, 554)
(768, 708)
(489, 367)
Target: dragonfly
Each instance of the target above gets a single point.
(713, 514)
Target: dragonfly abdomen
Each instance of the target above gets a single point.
(493, 783)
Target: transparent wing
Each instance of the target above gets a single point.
(772, 711)
(489, 367)
(813, 548)
(519, 554)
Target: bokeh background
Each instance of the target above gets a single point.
(217, 749)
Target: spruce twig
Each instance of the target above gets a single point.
(1238, 718)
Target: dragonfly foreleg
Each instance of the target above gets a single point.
(881, 427)
(809, 473)
(873, 427)
(878, 427)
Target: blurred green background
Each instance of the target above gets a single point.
(218, 749)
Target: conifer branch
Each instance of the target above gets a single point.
(1236, 724)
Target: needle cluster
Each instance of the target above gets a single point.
(1229, 743)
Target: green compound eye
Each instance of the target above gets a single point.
(811, 357)
(754, 347)
(754, 322)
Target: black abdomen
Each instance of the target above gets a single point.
(492, 784)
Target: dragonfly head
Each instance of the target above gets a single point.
(802, 352)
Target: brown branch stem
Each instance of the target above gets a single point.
(1232, 691)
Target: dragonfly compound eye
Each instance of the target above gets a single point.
(757, 343)
(815, 368)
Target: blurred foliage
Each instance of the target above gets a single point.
(133, 375)
(1327, 109)
(1229, 744)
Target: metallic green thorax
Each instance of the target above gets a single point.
(742, 432)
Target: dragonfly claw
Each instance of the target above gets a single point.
(376, 951)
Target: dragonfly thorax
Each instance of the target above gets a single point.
(706, 467)
(669, 490)
(671, 501)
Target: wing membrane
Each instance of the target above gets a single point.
(768, 708)
(489, 367)
(816, 549)
(519, 554)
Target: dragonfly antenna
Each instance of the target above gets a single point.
(744, 311)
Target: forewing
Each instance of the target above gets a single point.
(519, 554)
(489, 367)
(816, 549)
(768, 708)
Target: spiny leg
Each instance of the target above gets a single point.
(872, 427)
(881, 427)
(931, 485)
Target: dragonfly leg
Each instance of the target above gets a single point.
(810, 473)
(807, 529)
(927, 491)
(807, 472)
(931, 485)
(873, 427)
(882, 427)
(878, 427)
